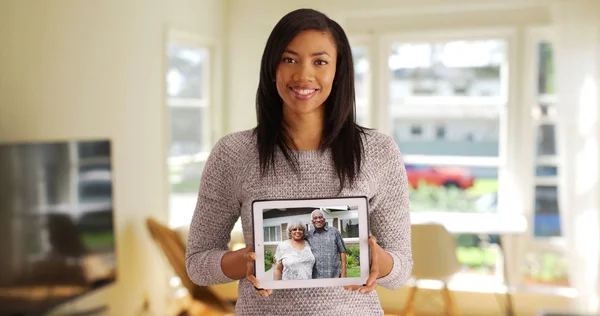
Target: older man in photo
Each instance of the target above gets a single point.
(328, 248)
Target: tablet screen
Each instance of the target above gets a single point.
(311, 242)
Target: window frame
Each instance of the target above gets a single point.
(364, 42)
(532, 120)
(516, 180)
(535, 36)
(509, 160)
(387, 40)
(188, 40)
(509, 200)
(341, 222)
(276, 229)
(212, 87)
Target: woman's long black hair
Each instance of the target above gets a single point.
(341, 134)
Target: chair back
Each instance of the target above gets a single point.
(173, 248)
(433, 252)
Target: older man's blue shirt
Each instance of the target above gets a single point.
(326, 245)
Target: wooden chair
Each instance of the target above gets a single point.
(173, 248)
(434, 258)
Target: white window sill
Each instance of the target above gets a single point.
(468, 282)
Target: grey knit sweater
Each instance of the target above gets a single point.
(231, 181)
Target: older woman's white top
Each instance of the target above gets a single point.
(297, 264)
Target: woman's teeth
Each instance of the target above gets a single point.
(304, 91)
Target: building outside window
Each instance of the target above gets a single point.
(440, 132)
(445, 99)
(349, 228)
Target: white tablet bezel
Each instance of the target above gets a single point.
(259, 249)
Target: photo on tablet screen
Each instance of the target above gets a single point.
(312, 242)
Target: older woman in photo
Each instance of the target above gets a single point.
(294, 259)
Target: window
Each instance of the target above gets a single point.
(546, 221)
(440, 132)
(454, 88)
(547, 216)
(416, 130)
(469, 137)
(362, 84)
(272, 233)
(546, 268)
(188, 98)
(544, 262)
(349, 228)
(446, 69)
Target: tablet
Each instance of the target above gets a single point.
(300, 243)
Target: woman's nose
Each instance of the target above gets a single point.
(304, 73)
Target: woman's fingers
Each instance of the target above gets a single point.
(351, 287)
(265, 293)
(250, 277)
(374, 270)
(253, 280)
(256, 284)
(250, 257)
(368, 288)
(361, 289)
(371, 283)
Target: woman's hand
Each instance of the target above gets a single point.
(250, 257)
(371, 284)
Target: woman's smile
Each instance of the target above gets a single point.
(302, 93)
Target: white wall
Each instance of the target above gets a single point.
(577, 27)
(94, 69)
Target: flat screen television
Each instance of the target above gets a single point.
(57, 236)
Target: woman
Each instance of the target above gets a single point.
(306, 144)
(294, 259)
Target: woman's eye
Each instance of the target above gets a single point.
(288, 60)
(321, 62)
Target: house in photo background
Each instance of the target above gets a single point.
(275, 223)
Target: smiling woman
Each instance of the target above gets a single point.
(305, 75)
(307, 144)
(307, 51)
(294, 258)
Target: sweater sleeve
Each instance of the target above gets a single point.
(390, 216)
(217, 210)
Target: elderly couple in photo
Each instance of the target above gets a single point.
(315, 254)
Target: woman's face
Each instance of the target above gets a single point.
(306, 71)
(297, 232)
